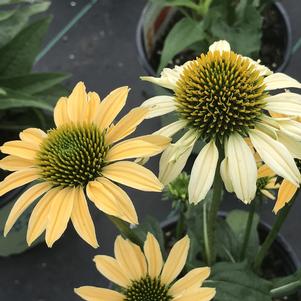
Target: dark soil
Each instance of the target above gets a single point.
(273, 48)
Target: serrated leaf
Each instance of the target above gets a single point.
(185, 33)
(236, 282)
(18, 55)
(33, 83)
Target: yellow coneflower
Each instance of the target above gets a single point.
(223, 98)
(146, 277)
(79, 157)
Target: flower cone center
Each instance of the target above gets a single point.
(147, 289)
(220, 94)
(72, 155)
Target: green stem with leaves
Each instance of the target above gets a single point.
(265, 247)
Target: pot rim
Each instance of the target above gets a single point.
(150, 70)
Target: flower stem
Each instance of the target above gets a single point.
(213, 211)
(281, 217)
(125, 230)
(248, 229)
(285, 290)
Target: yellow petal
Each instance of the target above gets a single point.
(175, 261)
(126, 125)
(61, 112)
(39, 216)
(92, 107)
(110, 268)
(153, 256)
(20, 149)
(82, 220)
(24, 201)
(265, 171)
(91, 293)
(33, 135)
(286, 192)
(149, 145)
(112, 200)
(190, 281)
(14, 163)
(200, 294)
(133, 175)
(76, 104)
(18, 178)
(59, 215)
(125, 250)
(111, 106)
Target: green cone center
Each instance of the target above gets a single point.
(220, 94)
(147, 289)
(72, 155)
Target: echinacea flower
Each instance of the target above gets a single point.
(79, 157)
(222, 99)
(146, 277)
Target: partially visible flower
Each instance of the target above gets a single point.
(266, 180)
(79, 157)
(146, 277)
(223, 98)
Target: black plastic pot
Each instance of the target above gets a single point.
(281, 249)
(158, 18)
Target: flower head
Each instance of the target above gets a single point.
(79, 158)
(224, 99)
(146, 277)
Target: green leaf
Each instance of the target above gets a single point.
(13, 21)
(17, 57)
(236, 282)
(33, 83)
(178, 3)
(7, 2)
(237, 220)
(185, 33)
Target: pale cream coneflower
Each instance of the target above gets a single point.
(146, 277)
(223, 98)
(82, 157)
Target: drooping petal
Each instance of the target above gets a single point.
(190, 281)
(293, 146)
(143, 146)
(112, 200)
(242, 168)
(111, 105)
(33, 135)
(280, 81)
(91, 293)
(77, 103)
(39, 216)
(20, 149)
(133, 175)
(13, 163)
(175, 261)
(267, 194)
(17, 179)
(171, 129)
(202, 173)
(153, 256)
(159, 105)
(221, 46)
(59, 215)
(24, 201)
(136, 267)
(111, 269)
(61, 116)
(200, 294)
(287, 103)
(82, 220)
(276, 156)
(286, 192)
(126, 125)
(291, 128)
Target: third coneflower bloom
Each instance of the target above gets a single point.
(223, 98)
(82, 156)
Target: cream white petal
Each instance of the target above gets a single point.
(159, 105)
(291, 128)
(202, 173)
(242, 168)
(280, 81)
(287, 103)
(171, 129)
(293, 146)
(263, 70)
(175, 261)
(276, 156)
(91, 293)
(224, 170)
(153, 256)
(221, 46)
